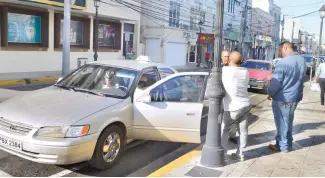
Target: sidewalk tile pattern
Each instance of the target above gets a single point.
(306, 160)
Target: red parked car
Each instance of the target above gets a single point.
(260, 73)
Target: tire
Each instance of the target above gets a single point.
(97, 161)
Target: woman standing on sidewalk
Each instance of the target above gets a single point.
(320, 77)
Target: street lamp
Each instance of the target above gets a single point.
(213, 153)
(96, 4)
(200, 49)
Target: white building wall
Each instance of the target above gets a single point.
(28, 60)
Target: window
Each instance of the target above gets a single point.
(257, 65)
(106, 35)
(174, 14)
(147, 79)
(165, 72)
(102, 80)
(259, 22)
(179, 89)
(76, 33)
(231, 6)
(24, 28)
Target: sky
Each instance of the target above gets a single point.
(311, 23)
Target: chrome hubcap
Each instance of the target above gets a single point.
(111, 147)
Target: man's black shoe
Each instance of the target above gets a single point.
(233, 140)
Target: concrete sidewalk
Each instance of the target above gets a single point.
(26, 78)
(307, 159)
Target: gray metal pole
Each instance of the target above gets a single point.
(66, 38)
(320, 42)
(200, 49)
(293, 31)
(282, 23)
(242, 36)
(213, 153)
(96, 35)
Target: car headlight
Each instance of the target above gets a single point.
(63, 132)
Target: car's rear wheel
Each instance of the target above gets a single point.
(109, 148)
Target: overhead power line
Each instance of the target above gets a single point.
(319, 2)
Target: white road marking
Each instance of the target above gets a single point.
(68, 171)
(3, 174)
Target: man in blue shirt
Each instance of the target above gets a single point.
(286, 91)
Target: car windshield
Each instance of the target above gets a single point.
(256, 65)
(100, 80)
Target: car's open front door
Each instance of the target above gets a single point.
(171, 109)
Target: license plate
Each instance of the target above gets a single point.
(10, 143)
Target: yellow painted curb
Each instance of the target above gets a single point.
(177, 163)
(12, 82)
(44, 80)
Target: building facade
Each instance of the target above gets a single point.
(171, 32)
(263, 32)
(233, 25)
(31, 34)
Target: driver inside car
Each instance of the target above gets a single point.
(142, 85)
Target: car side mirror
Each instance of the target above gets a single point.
(146, 98)
(59, 79)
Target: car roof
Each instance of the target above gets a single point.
(131, 64)
(261, 61)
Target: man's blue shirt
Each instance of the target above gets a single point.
(287, 81)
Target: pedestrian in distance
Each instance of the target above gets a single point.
(236, 104)
(225, 57)
(320, 78)
(286, 91)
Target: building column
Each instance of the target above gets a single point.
(51, 30)
(91, 36)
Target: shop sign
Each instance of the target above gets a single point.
(106, 35)
(206, 38)
(76, 32)
(24, 28)
(79, 4)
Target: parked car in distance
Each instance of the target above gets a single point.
(92, 113)
(310, 63)
(260, 73)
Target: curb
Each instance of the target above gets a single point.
(28, 81)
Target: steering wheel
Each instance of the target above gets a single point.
(123, 88)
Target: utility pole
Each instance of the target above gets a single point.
(66, 38)
(243, 30)
(282, 23)
(212, 152)
(320, 42)
(293, 31)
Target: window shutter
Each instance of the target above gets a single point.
(86, 35)
(45, 30)
(4, 26)
(118, 35)
(57, 30)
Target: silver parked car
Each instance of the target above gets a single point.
(92, 113)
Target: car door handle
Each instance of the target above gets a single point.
(190, 114)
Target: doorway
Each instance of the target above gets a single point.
(192, 54)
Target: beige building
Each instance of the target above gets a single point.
(262, 29)
(31, 35)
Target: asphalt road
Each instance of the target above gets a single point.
(139, 155)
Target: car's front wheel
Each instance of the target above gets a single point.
(109, 148)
